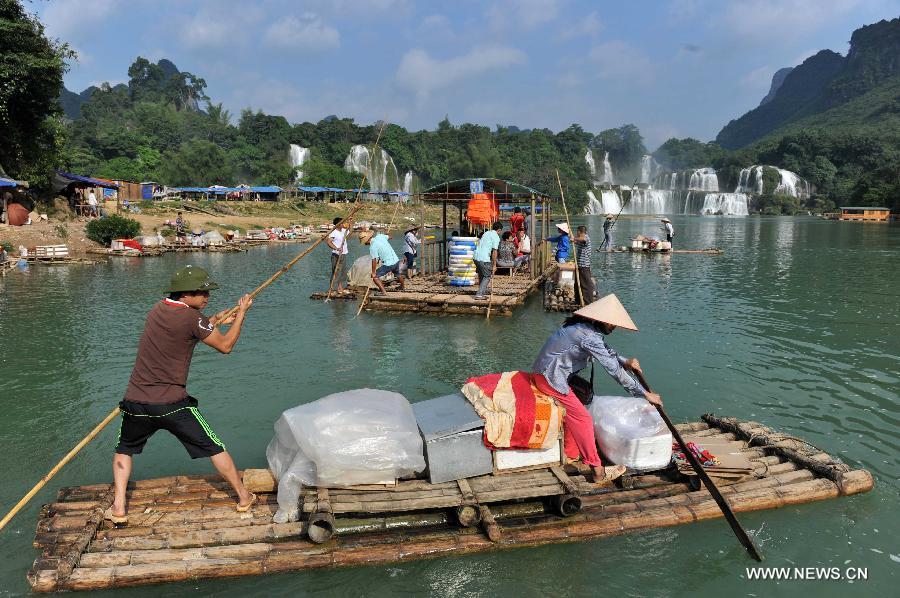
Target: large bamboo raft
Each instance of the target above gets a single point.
(186, 528)
(431, 294)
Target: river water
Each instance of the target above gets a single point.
(797, 326)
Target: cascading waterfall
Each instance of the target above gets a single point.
(731, 204)
(646, 169)
(593, 206)
(704, 179)
(751, 181)
(298, 156)
(604, 174)
(592, 166)
(608, 176)
(380, 170)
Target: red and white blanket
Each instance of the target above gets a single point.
(515, 413)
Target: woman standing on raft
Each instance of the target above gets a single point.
(568, 351)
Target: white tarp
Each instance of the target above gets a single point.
(362, 436)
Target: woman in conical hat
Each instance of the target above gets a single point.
(566, 352)
(563, 244)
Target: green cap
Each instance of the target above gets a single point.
(189, 279)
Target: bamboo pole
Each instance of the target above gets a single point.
(69, 456)
(562, 197)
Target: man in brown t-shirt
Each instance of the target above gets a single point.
(156, 397)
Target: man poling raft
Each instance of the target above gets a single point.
(156, 398)
(566, 352)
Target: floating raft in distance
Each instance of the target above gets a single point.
(430, 294)
(707, 251)
(185, 527)
(335, 296)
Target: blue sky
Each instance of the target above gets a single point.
(674, 68)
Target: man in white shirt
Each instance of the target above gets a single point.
(410, 248)
(92, 203)
(337, 241)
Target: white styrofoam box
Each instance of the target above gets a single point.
(515, 458)
(630, 432)
(635, 244)
(664, 245)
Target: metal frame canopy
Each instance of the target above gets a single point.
(460, 190)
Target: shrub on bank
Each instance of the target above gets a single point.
(104, 230)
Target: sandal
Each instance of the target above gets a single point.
(610, 475)
(244, 508)
(115, 519)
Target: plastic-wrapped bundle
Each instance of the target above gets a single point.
(630, 432)
(461, 261)
(360, 274)
(214, 237)
(362, 436)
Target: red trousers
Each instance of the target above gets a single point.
(579, 426)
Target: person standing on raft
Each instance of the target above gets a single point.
(566, 352)
(669, 230)
(607, 232)
(156, 398)
(563, 243)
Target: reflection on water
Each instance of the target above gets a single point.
(796, 325)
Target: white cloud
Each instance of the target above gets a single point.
(420, 73)
(204, 31)
(521, 14)
(767, 20)
(621, 61)
(758, 80)
(307, 32)
(589, 26)
(76, 19)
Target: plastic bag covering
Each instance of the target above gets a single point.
(362, 436)
(630, 432)
(360, 273)
(214, 237)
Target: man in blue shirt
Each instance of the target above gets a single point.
(486, 258)
(563, 245)
(380, 250)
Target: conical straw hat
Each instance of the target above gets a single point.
(564, 228)
(608, 310)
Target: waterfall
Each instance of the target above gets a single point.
(298, 155)
(593, 206)
(646, 168)
(728, 204)
(751, 181)
(592, 166)
(380, 170)
(704, 179)
(608, 176)
(651, 201)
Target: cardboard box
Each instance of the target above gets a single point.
(453, 437)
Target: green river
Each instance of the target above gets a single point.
(797, 326)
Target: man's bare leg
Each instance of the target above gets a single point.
(121, 473)
(225, 466)
(378, 284)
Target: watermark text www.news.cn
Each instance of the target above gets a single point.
(808, 573)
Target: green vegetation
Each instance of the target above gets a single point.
(31, 70)
(104, 230)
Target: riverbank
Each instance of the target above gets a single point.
(65, 228)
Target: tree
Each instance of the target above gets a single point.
(197, 162)
(31, 70)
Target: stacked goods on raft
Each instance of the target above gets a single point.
(461, 270)
(630, 432)
(644, 243)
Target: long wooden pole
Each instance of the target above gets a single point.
(69, 456)
(736, 526)
(562, 197)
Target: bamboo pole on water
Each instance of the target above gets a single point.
(562, 197)
(69, 456)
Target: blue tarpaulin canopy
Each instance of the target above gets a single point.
(77, 178)
(7, 182)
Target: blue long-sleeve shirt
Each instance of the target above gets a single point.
(570, 348)
(563, 246)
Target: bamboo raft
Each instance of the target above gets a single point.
(157, 250)
(335, 296)
(185, 527)
(54, 261)
(430, 294)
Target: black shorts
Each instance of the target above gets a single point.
(182, 419)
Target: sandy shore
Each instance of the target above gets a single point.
(245, 215)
